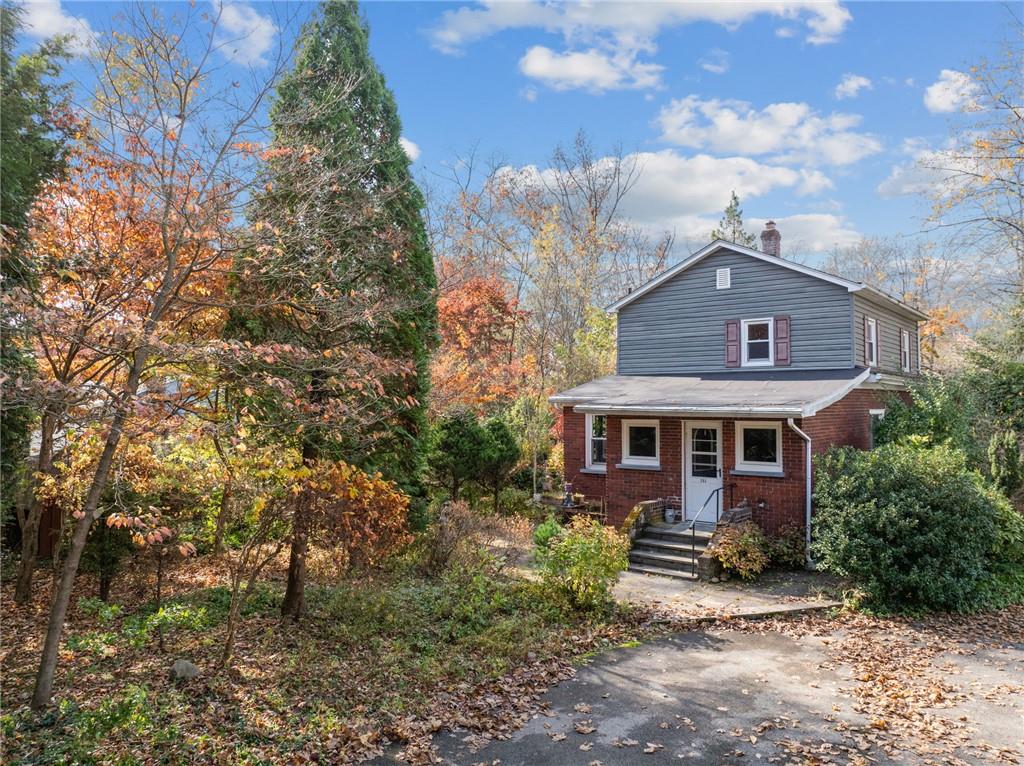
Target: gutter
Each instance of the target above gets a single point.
(807, 491)
(668, 409)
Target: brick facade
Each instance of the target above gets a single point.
(776, 501)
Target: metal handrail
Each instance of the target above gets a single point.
(692, 528)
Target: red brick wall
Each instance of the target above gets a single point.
(629, 486)
(776, 501)
(574, 429)
(847, 423)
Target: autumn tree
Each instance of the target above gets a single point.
(476, 365)
(179, 144)
(979, 188)
(731, 227)
(32, 141)
(345, 268)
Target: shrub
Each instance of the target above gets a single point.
(583, 562)
(1004, 461)
(545, 532)
(912, 528)
(788, 549)
(1009, 540)
(742, 549)
(516, 502)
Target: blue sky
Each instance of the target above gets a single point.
(814, 112)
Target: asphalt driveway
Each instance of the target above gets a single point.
(732, 697)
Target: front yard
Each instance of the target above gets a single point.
(385, 666)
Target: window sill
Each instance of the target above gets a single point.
(597, 471)
(765, 474)
(638, 467)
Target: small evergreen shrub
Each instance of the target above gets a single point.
(913, 529)
(545, 532)
(742, 549)
(583, 562)
(1004, 461)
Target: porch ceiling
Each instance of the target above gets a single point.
(763, 393)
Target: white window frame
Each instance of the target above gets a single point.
(768, 468)
(872, 414)
(590, 444)
(641, 460)
(871, 342)
(770, 361)
(905, 353)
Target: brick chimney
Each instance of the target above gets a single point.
(771, 240)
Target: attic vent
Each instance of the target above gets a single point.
(723, 280)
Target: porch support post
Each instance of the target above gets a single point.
(807, 490)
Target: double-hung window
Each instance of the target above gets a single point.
(904, 351)
(757, 342)
(597, 441)
(640, 443)
(759, 447)
(871, 342)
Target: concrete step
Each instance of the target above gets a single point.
(664, 560)
(657, 545)
(670, 536)
(677, 574)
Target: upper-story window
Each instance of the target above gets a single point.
(597, 441)
(905, 350)
(757, 342)
(871, 341)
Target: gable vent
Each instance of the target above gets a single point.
(723, 279)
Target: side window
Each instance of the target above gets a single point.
(640, 442)
(875, 418)
(905, 350)
(597, 440)
(870, 342)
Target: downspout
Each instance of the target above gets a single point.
(807, 490)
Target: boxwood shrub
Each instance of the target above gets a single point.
(913, 529)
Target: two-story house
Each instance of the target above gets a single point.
(734, 368)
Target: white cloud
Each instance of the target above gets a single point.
(785, 32)
(244, 35)
(716, 61)
(926, 171)
(851, 85)
(529, 93)
(951, 92)
(46, 18)
(788, 132)
(811, 232)
(411, 149)
(592, 69)
(688, 194)
(603, 38)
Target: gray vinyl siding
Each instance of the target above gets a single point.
(679, 327)
(890, 322)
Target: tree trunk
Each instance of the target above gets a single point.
(294, 603)
(497, 491)
(222, 517)
(30, 527)
(62, 596)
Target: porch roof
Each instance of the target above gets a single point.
(760, 393)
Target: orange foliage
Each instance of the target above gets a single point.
(476, 365)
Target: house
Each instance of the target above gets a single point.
(734, 368)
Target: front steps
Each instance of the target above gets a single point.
(667, 551)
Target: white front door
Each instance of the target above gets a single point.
(702, 468)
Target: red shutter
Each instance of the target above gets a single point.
(867, 335)
(732, 343)
(782, 341)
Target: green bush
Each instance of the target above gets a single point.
(911, 528)
(515, 502)
(788, 549)
(583, 562)
(1009, 542)
(1004, 461)
(742, 549)
(545, 532)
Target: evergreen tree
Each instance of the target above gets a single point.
(457, 450)
(32, 152)
(500, 455)
(345, 268)
(730, 228)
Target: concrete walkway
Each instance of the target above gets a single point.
(773, 593)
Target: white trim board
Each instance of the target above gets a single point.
(704, 252)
